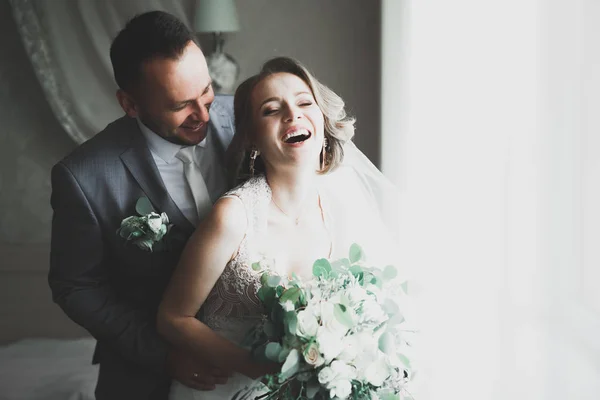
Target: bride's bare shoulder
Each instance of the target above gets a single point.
(229, 213)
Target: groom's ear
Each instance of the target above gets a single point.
(127, 103)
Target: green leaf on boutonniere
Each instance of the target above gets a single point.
(143, 206)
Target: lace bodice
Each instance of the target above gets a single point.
(232, 308)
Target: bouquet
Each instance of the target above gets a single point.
(339, 335)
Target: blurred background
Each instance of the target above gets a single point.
(484, 114)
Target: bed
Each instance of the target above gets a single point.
(43, 354)
(49, 369)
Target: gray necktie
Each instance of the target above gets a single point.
(195, 181)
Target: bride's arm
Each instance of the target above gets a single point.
(213, 244)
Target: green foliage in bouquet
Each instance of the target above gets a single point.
(337, 335)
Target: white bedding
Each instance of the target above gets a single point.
(49, 369)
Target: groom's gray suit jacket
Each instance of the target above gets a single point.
(109, 287)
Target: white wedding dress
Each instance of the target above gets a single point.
(232, 308)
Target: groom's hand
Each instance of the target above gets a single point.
(190, 372)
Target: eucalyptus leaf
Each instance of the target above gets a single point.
(404, 360)
(143, 206)
(266, 294)
(342, 315)
(389, 396)
(404, 286)
(292, 294)
(273, 280)
(387, 343)
(389, 272)
(256, 266)
(321, 267)
(264, 278)
(290, 319)
(341, 264)
(377, 282)
(390, 307)
(356, 270)
(367, 278)
(312, 388)
(272, 351)
(291, 364)
(356, 253)
(279, 290)
(283, 354)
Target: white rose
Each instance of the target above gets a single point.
(357, 294)
(329, 343)
(326, 375)
(340, 389)
(372, 311)
(350, 348)
(329, 320)
(343, 370)
(312, 355)
(155, 222)
(307, 323)
(377, 372)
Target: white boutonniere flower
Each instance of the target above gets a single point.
(147, 229)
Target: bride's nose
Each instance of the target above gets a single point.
(292, 113)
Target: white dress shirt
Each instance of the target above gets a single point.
(172, 172)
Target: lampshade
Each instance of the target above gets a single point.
(216, 16)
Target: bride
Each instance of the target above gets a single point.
(302, 198)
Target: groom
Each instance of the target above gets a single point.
(169, 148)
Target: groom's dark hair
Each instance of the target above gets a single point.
(146, 36)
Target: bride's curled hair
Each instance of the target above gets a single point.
(339, 128)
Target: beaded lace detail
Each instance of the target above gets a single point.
(232, 308)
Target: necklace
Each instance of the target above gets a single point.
(296, 220)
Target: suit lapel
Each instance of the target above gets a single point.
(138, 160)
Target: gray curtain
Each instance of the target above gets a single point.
(68, 44)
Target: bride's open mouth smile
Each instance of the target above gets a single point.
(296, 136)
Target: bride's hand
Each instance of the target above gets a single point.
(199, 376)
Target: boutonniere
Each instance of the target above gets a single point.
(147, 229)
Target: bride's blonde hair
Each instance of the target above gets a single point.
(339, 128)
